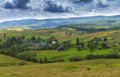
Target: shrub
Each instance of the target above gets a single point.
(59, 60)
(90, 56)
(113, 55)
(40, 61)
(22, 63)
(75, 58)
(45, 60)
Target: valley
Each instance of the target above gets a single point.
(69, 62)
(59, 38)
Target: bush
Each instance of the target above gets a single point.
(29, 56)
(59, 60)
(75, 58)
(21, 63)
(40, 61)
(13, 64)
(113, 55)
(45, 60)
(90, 56)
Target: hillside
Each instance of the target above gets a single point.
(6, 61)
(97, 21)
(97, 68)
(59, 38)
(97, 63)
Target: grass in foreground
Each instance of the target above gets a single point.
(98, 68)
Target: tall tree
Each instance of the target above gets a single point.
(4, 36)
(77, 42)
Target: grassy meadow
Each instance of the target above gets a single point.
(13, 67)
(60, 34)
(11, 61)
(98, 68)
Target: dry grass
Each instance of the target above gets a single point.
(76, 69)
(99, 68)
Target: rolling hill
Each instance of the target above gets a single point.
(51, 23)
(6, 61)
(12, 67)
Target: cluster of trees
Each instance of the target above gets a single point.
(14, 45)
(96, 43)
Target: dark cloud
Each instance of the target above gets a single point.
(100, 4)
(85, 0)
(9, 5)
(77, 1)
(55, 8)
(17, 4)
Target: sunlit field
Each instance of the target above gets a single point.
(92, 68)
(105, 67)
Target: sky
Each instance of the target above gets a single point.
(49, 9)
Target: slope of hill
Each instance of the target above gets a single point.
(110, 21)
(87, 68)
(11, 61)
(92, 68)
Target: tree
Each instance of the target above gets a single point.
(0, 40)
(39, 39)
(77, 42)
(91, 46)
(33, 39)
(23, 37)
(105, 39)
(4, 36)
(45, 60)
(82, 45)
(41, 61)
(0, 46)
(79, 48)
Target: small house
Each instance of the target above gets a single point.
(61, 48)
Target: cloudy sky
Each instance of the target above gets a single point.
(46, 9)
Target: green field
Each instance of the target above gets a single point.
(60, 34)
(11, 61)
(99, 67)
(54, 55)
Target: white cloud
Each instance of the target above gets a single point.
(76, 9)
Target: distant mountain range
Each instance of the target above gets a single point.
(51, 23)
